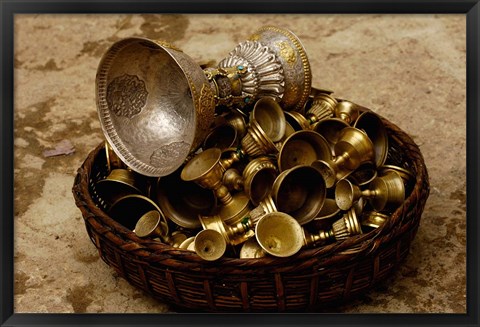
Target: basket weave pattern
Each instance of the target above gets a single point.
(312, 278)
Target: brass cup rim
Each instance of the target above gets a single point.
(270, 117)
(373, 126)
(195, 169)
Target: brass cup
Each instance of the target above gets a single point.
(188, 244)
(386, 193)
(256, 142)
(151, 224)
(251, 250)
(233, 234)
(119, 183)
(176, 238)
(299, 191)
(288, 131)
(279, 234)
(268, 114)
(347, 111)
(206, 170)
(330, 129)
(267, 205)
(222, 137)
(234, 118)
(407, 176)
(346, 194)
(182, 201)
(297, 120)
(130, 208)
(258, 177)
(373, 126)
(374, 219)
(210, 245)
(322, 107)
(351, 150)
(303, 148)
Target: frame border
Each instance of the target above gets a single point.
(8, 8)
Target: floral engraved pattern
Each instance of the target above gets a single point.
(126, 95)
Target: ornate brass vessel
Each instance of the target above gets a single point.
(155, 104)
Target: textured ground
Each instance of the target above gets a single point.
(410, 69)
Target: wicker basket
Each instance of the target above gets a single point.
(307, 281)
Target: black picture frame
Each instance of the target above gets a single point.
(471, 8)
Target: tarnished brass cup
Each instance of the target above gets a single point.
(119, 183)
(322, 107)
(233, 235)
(210, 245)
(176, 238)
(330, 129)
(299, 191)
(343, 228)
(407, 176)
(130, 208)
(113, 161)
(279, 234)
(183, 201)
(251, 249)
(151, 224)
(297, 121)
(288, 131)
(383, 193)
(374, 219)
(351, 150)
(222, 137)
(258, 177)
(303, 148)
(346, 111)
(372, 125)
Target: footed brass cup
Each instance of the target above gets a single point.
(156, 104)
(152, 224)
(130, 208)
(210, 245)
(119, 183)
(303, 148)
(346, 194)
(222, 137)
(330, 129)
(299, 191)
(176, 238)
(268, 114)
(322, 107)
(297, 121)
(183, 201)
(279, 234)
(407, 176)
(258, 178)
(343, 228)
(351, 150)
(372, 125)
(233, 234)
(346, 111)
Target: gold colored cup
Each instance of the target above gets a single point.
(372, 125)
(407, 176)
(386, 193)
(347, 111)
(258, 178)
(297, 120)
(346, 194)
(222, 137)
(151, 224)
(265, 206)
(268, 114)
(330, 129)
(303, 148)
(351, 150)
(299, 191)
(210, 245)
(188, 244)
(119, 183)
(233, 235)
(364, 174)
(279, 234)
(176, 238)
(322, 107)
(130, 208)
(251, 250)
(183, 201)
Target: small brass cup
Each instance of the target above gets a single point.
(182, 201)
(347, 111)
(176, 238)
(299, 191)
(268, 114)
(251, 250)
(330, 129)
(130, 208)
(346, 194)
(222, 137)
(372, 125)
(351, 150)
(188, 244)
(210, 245)
(279, 234)
(303, 148)
(407, 176)
(233, 235)
(258, 178)
(151, 224)
(322, 107)
(119, 183)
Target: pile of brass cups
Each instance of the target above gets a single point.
(266, 181)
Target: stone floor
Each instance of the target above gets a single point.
(409, 68)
